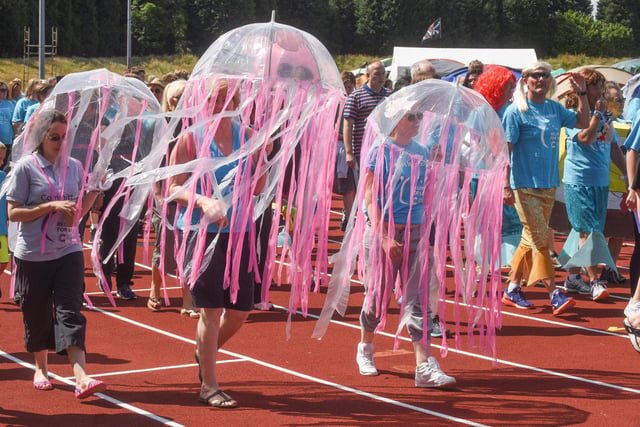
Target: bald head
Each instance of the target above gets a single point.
(424, 67)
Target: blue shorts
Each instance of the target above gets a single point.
(586, 207)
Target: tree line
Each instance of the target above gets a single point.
(95, 28)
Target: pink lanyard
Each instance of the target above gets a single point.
(53, 197)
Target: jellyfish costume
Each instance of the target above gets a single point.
(111, 120)
(289, 93)
(463, 138)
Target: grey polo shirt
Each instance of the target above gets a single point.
(30, 187)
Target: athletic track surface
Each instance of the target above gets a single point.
(573, 369)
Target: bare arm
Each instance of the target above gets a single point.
(578, 84)
(347, 134)
(18, 212)
(632, 197)
(213, 209)
(508, 198)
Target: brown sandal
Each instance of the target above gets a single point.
(154, 304)
(225, 401)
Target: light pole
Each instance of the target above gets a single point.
(41, 45)
(128, 34)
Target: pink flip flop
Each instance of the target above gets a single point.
(43, 385)
(94, 386)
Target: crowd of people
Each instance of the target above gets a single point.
(45, 192)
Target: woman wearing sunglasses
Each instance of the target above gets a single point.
(44, 194)
(532, 127)
(393, 205)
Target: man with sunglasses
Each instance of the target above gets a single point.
(532, 128)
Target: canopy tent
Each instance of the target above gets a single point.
(404, 57)
(610, 73)
(630, 65)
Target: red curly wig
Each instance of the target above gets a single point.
(491, 85)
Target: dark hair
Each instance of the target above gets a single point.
(43, 122)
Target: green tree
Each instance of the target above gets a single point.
(623, 12)
(207, 20)
(313, 16)
(559, 6)
(84, 27)
(527, 25)
(376, 22)
(12, 22)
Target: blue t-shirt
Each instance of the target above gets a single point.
(534, 135)
(398, 177)
(224, 176)
(31, 109)
(632, 109)
(6, 129)
(587, 164)
(21, 109)
(633, 139)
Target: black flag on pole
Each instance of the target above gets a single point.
(434, 31)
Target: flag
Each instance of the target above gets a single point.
(433, 33)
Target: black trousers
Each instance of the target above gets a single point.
(51, 300)
(108, 237)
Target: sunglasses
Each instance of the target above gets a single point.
(537, 76)
(156, 90)
(413, 116)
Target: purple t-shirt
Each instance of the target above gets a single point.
(29, 186)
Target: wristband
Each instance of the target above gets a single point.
(582, 93)
(599, 115)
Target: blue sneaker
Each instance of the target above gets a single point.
(125, 292)
(559, 302)
(516, 299)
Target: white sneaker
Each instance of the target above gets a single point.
(631, 308)
(365, 359)
(429, 374)
(577, 285)
(599, 290)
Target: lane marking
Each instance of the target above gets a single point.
(352, 390)
(160, 368)
(489, 358)
(103, 396)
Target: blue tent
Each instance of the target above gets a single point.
(630, 65)
(462, 72)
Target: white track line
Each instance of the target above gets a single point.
(241, 357)
(480, 356)
(103, 396)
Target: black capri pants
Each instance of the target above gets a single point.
(51, 300)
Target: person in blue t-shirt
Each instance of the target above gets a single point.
(220, 316)
(532, 127)
(632, 146)
(393, 194)
(586, 184)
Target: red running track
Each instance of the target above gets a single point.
(575, 369)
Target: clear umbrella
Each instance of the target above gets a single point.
(289, 92)
(424, 148)
(111, 122)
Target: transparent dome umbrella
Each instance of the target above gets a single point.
(425, 148)
(283, 91)
(111, 121)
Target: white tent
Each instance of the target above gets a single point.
(404, 57)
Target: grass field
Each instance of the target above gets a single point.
(159, 65)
